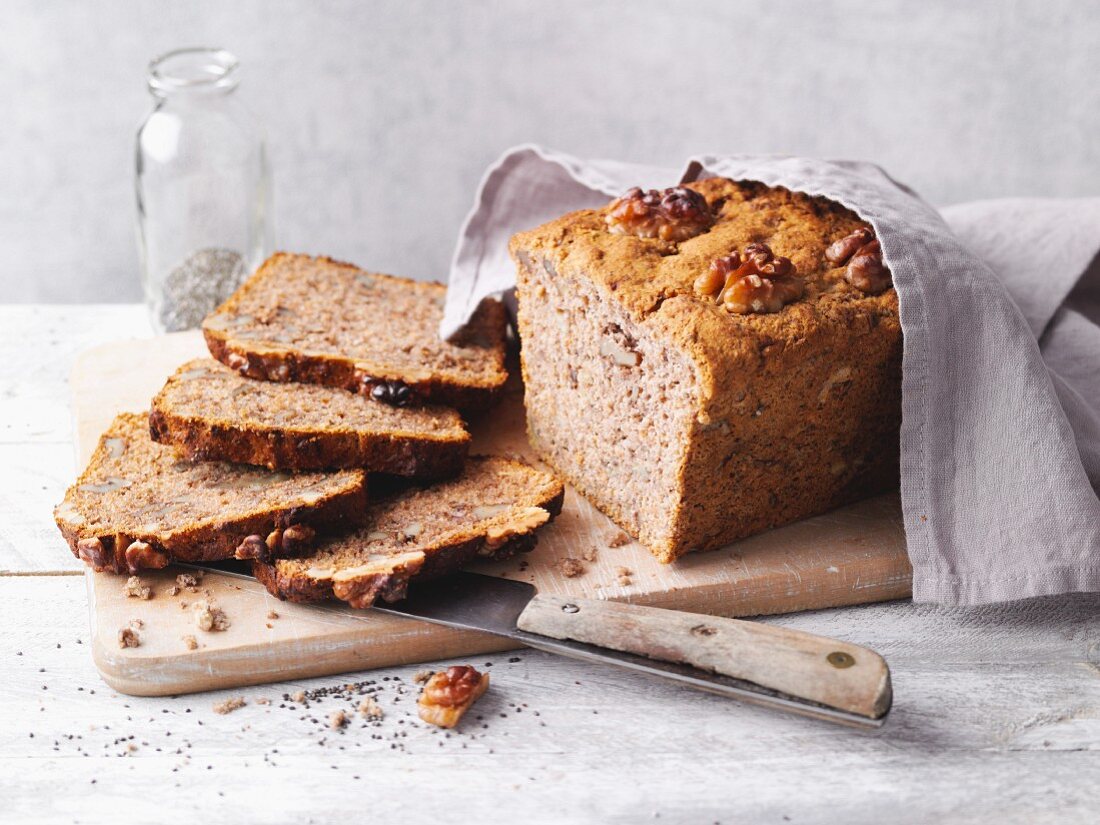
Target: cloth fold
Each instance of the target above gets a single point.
(1000, 312)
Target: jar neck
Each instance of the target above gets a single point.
(197, 72)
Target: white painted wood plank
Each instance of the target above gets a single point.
(979, 734)
(33, 479)
(38, 347)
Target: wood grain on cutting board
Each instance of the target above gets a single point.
(849, 556)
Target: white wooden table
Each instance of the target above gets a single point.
(996, 717)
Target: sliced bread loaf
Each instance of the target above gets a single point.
(491, 511)
(137, 505)
(319, 321)
(210, 412)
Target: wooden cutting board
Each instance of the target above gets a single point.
(849, 556)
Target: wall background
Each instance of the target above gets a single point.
(381, 116)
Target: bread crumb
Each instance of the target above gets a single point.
(230, 705)
(210, 618)
(190, 643)
(137, 624)
(370, 708)
(298, 697)
(128, 638)
(570, 568)
(174, 590)
(263, 700)
(271, 614)
(337, 719)
(135, 588)
(618, 539)
(590, 554)
(421, 677)
(624, 574)
(190, 580)
(183, 605)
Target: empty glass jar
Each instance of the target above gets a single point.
(203, 188)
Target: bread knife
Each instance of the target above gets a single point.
(762, 664)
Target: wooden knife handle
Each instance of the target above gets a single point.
(815, 668)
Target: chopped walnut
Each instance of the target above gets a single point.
(210, 618)
(370, 709)
(756, 280)
(137, 624)
(624, 574)
(422, 676)
(673, 214)
(271, 614)
(135, 588)
(230, 705)
(571, 568)
(449, 694)
(190, 642)
(862, 252)
(127, 637)
(263, 700)
(140, 555)
(174, 590)
(298, 697)
(590, 554)
(337, 719)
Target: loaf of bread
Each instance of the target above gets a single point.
(710, 361)
(209, 412)
(319, 321)
(137, 505)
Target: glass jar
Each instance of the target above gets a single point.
(203, 188)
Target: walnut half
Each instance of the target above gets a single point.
(673, 214)
(756, 280)
(449, 694)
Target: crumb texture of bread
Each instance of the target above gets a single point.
(210, 412)
(138, 505)
(491, 511)
(689, 425)
(319, 321)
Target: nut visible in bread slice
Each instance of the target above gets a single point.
(490, 511)
(208, 411)
(319, 321)
(137, 505)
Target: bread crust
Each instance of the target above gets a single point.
(272, 362)
(362, 591)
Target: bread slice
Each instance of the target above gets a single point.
(491, 511)
(319, 321)
(208, 411)
(137, 505)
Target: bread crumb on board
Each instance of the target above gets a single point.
(229, 705)
(127, 637)
(190, 642)
(570, 567)
(618, 538)
(624, 574)
(590, 555)
(209, 618)
(135, 588)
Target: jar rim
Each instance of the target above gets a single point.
(193, 68)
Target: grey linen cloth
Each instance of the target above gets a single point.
(1000, 311)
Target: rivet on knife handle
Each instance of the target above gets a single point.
(814, 668)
